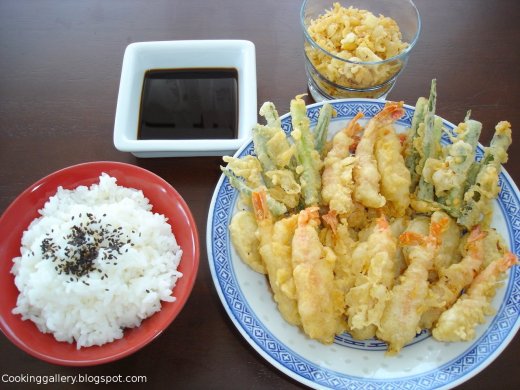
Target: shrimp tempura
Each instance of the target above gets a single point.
(400, 321)
(459, 322)
(337, 180)
(367, 299)
(313, 274)
(366, 174)
(455, 278)
(275, 264)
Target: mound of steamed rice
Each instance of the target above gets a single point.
(96, 261)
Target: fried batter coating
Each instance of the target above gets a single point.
(459, 322)
(327, 217)
(242, 230)
(314, 279)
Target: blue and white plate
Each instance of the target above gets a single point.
(424, 364)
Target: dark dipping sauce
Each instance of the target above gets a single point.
(194, 103)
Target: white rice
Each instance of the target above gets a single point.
(93, 297)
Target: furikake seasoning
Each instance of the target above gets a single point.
(86, 240)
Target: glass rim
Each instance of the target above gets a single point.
(401, 55)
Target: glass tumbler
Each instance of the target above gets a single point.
(333, 75)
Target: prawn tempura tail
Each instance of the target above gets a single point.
(353, 126)
(392, 112)
(476, 234)
(331, 220)
(485, 282)
(309, 216)
(412, 238)
(260, 207)
(352, 131)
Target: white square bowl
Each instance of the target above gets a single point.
(143, 56)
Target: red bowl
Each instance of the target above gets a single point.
(16, 218)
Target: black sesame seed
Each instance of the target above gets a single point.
(83, 246)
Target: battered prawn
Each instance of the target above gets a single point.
(283, 233)
(419, 225)
(366, 174)
(337, 181)
(398, 226)
(276, 264)
(453, 279)
(344, 140)
(395, 177)
(242, 231)
(337, 237)
(400, 320)
(367, 300)
(448, 252)
(494, 247)
(459, 322)
(313, 273)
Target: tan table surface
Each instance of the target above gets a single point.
(60, 64)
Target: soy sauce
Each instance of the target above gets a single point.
(194, 103)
